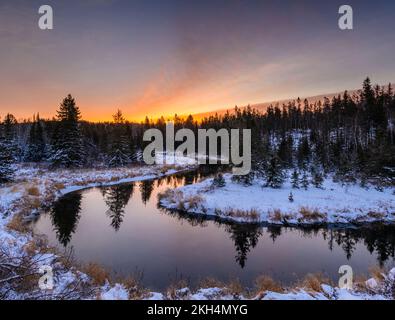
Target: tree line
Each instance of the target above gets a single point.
(351, 136)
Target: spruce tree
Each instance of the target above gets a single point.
(7, 160)
(317, 177)
(67, 146)
(120, 148)
(35, 151)
(295, 179)
(274, 174)
(7, 149)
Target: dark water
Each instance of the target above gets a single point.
(122, 228)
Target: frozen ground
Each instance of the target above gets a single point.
(333, 203)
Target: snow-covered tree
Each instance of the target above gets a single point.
(35, 151)
(120, 147)
(317, 177)
(67, 147)
(274, 174)
(7, 149)
(305, 180)
(7, 161)
(295, 179)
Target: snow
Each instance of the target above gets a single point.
(35, 185)
(17, 197)
(117, 292)
(333, 202)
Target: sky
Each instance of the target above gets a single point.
(161, 57)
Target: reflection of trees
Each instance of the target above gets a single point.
(378, 238)
(192, 219)
(274, 231)
(65, 215)
(146, 188)
(116, 199)
(245, 237)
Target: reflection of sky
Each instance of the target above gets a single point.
(165, 56)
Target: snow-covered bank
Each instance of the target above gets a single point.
(380, 287)
(22, 253)
(333, 203)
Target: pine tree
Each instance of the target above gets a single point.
(7, 149)
(317, 178)
(274, 174)
(7, 161)
(120, 148)
(67, 146)
(10, 136)
(218, 181)
(35, 151)
(295, 179)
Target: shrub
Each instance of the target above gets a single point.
(265, 283)
(96, 272)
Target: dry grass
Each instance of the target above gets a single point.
(17, 224)
(173, 290)
(194, 201)
(234, 287)
(210, 282)
(166, 168)
(59, 186)
(313, 282)
(377, 273)
(33, 191)
(96, 272)
(251, 215)
(134, 286)
(312, 215)
(265, 283)
(276, 215)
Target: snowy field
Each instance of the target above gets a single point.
(333, 203)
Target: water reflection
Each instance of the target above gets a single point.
(378, 238)
(146, 188)
(65, 216)
(124, 226)
(117, 198)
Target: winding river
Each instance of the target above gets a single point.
(122, 228)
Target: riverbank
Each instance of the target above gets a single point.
(23, 253)
(333, 203)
